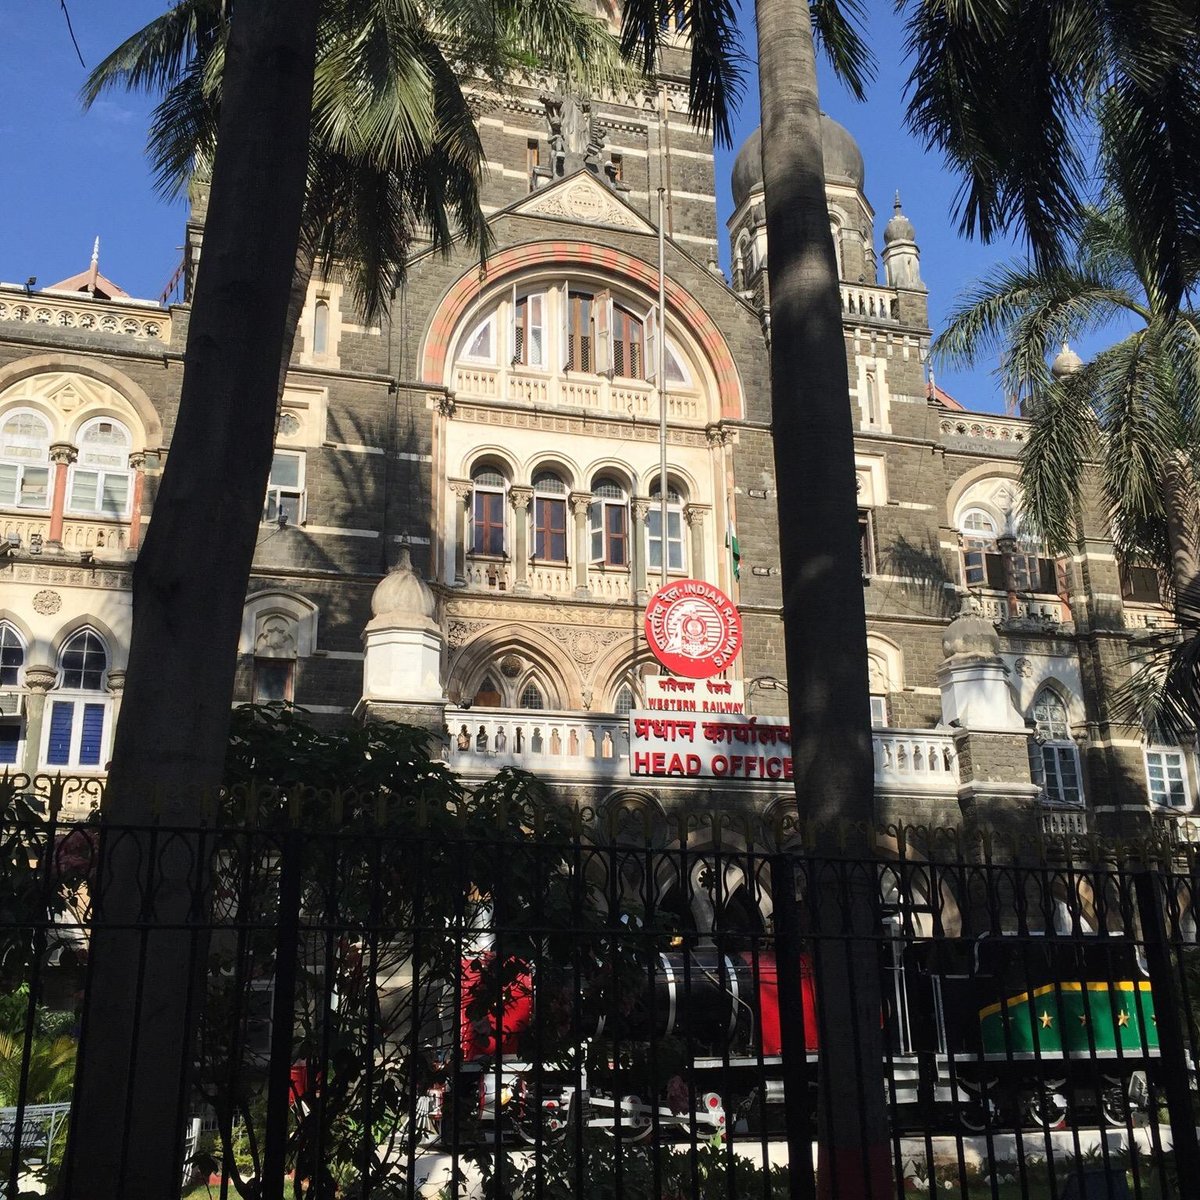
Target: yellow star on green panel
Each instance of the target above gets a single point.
(1047, 1020)
(1122, 1018)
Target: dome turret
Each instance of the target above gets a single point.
(899, 228)
(843, 160)
(1066, 362)
(402, 595)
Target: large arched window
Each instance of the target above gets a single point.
(487, 511)
(549, 518)
(77, 732)
(100, 477)
(608, 516)
(1054, 755)
(675, 556)
(25, 460)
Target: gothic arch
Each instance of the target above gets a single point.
(483, 652)
(73, 364)
(966, 481)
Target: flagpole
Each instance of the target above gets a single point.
(661, 371)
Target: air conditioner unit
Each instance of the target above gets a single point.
(12, 704)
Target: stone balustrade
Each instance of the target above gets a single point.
(87, 315)
(915, 760)
(1058, 821)
(545, 743)
(863, 303)
(110, 537)
(623, 398)
(994, 607)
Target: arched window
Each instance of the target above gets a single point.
(12, 659)
(675, 557)
(321, 329)
(1054, 755)
(487, 695)
(12, 655)
(100, 477)
(625, 701)
(77, 732)
(549, 518)
(608, 516)
(531, 696)
(982, 565)
(487, 511)
(25, 461)
(629, 345)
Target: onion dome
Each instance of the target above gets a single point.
(1066, 362)
(843, 160)
(899, 228)
(402, 597)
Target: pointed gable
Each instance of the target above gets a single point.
(582, 199)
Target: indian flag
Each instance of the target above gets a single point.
(735, 552)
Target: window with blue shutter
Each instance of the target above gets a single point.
(58, 748)
(91, 735)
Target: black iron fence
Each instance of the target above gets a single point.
(499, 1003)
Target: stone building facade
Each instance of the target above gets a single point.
(464, 520)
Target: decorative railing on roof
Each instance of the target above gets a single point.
(89, 315)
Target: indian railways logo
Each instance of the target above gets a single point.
(693, 628)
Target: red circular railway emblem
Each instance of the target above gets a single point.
(693, 628)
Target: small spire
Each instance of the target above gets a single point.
(94, 270)
(896, 205)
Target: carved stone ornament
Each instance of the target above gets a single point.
(46, 602)
(1023, 667)
(510, 666)
(586, 200)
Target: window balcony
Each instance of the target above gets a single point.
(598, 394)
(485, 574)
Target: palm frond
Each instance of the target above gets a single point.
(838, 31)
(183, 130)
(999, 90)
(1061, 442)
(716, 72)
(155, 57)
(1019, 315)
(1132, 396)
(1162, 694)
(1152, 146)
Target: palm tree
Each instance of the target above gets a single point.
(1133, 410)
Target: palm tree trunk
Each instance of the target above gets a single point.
(823, 609)
(146, 967)
(1183, 526)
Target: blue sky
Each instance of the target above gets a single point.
(70, 176)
